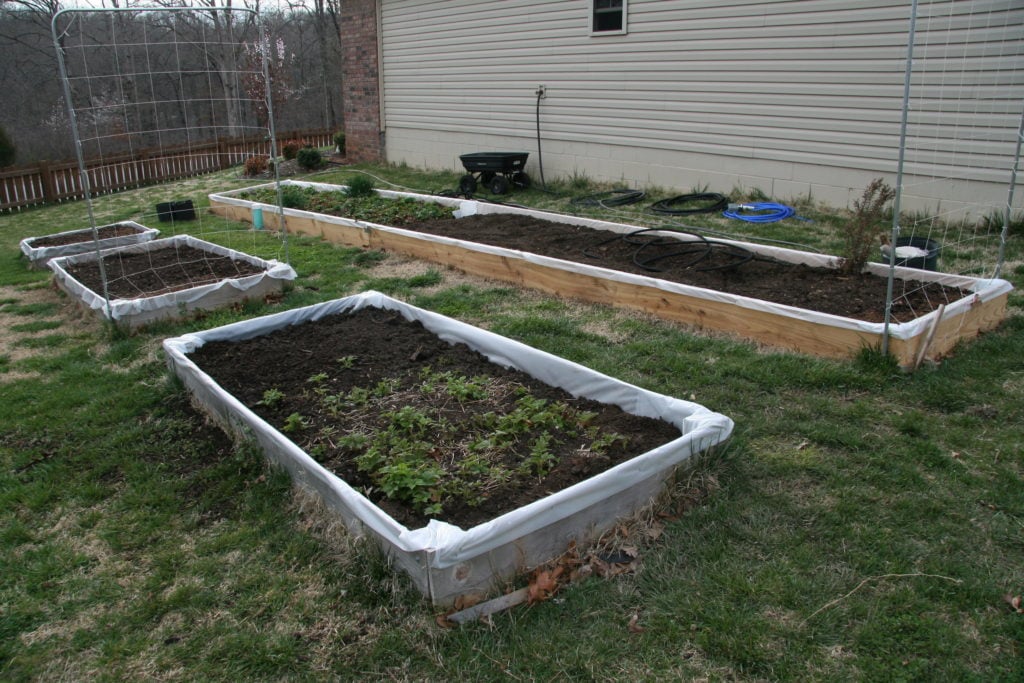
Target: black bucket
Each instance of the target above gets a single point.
(926, 258)
(182, 210)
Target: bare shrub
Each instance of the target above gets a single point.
(256, 165)
(863, 233)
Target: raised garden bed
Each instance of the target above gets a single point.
(589, 269)
(166, 278)
(40, 250)
(305, 383)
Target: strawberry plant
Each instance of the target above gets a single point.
(371, 208)
(412, 452)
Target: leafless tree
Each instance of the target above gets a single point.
(165, 76)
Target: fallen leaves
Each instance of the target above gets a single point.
(572, 567)
(546, 581)
(617, 552)
(543, 584)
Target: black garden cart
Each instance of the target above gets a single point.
(498, 171)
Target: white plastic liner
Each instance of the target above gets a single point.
(444, 544)
(146, 309)
(982, 289)
(40, 256)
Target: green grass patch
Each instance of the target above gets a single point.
(43, 342)
(41, 309)
(396, 286)
(37, 326)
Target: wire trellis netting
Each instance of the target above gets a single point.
(164, 94)
(963, 113)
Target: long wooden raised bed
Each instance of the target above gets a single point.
(930, 336)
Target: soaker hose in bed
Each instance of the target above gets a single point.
(696, 254)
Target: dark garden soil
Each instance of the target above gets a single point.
(310, 366)
(106, 232)
(711, 265)
(159, 271)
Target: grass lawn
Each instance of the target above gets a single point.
(863, 523)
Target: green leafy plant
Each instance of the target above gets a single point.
(294, 197)
(413, 483)
(862, 234)
(360, 186)
(339, 142)
(367, 207)
(416, 456)
(294, 423)
(309, 159)
(271, 397)
(410, 420)
(541, 459)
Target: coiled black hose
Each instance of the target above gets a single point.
(682, 205)
(612, 198)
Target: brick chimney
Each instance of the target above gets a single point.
(364, 137)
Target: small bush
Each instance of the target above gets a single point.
(339, 142)
(7, 151)
(256, 165)
(360, 186)
(293, 197)
(863, 232)
(309, 158)
(290, 148)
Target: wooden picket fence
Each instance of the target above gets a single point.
(52, 182)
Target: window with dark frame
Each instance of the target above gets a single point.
(608, 16)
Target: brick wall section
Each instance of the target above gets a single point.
(364, 139)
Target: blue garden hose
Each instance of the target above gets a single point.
(769, 212)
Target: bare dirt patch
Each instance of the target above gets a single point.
(75, 237)
(707, 264)
(158, 271)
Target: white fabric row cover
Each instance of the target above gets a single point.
(41, 255)
(128, 308)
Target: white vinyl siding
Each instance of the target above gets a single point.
(720, 89)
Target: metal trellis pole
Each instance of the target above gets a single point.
(908, 71)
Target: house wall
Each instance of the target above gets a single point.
(793, 97)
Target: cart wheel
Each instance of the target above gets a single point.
(467, 185)
(520, 179)
(486, 177)
(499, 184)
